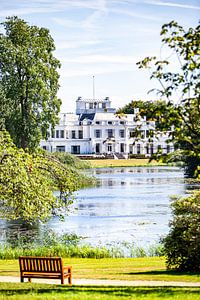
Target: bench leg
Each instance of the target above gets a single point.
(22, 279)
(29, 279)
(70, 280)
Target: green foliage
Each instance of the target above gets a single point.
(149, 109)
(29, 77)
(182, 244)
(137, 156)
(197, 172)
(5, 108)
(71, 160)
(48, 242)
(179, 115)
(28, 183)
(72, 250)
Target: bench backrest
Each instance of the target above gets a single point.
(40, 264)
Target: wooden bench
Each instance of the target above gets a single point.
(44, 267)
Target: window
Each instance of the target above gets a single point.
(168, 148)
(122, 122)
(147, 149)
(97, 133)
(109, 122)
(44, 147)
(151, 149)
(132, 134)
(109, 147)
(60, 148)
(159, 147)
(122, 133)
(149, 133)
(138, 149)
(110, 133)
(73, 134)
(75, 149)
(57, 134)
(103, 105)
(62, 134)
(98, 148)
(90, 105)
(142, 134)
(53, 134)
(80, 134)
(122, 148)
(97, 122)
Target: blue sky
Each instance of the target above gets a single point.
(105, 39)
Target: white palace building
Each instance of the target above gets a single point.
(96, 130)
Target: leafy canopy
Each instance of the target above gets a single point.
(28, 182)
(181, 88)
(29, 79)
(181, 245)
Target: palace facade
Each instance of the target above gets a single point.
(95, 129)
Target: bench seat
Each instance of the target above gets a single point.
(44, 267)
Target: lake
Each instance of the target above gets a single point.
(129, 204)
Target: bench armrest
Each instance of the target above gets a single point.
(69, 269)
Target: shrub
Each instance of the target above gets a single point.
(50, 243)
(137, 156)
(182, 244)
(71, 160)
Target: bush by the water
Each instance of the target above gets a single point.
(71, 160)
(182, 244)
(69, 245)
(75, 163)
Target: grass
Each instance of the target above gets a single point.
(148, 268)
(106, 163)
(60, 248)
(111, 268)
(20, 291)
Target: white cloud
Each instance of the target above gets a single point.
(75, 44)
(26, 7)
(119, 59)
(66, 22)
(172, 4)
(91, 22)
(95, 70)
(24, 11)
(89, 4)
(135, 14)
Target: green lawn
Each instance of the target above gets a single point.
(148, 268)
(103, 163)
(22, 291)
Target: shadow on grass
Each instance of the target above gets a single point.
(26, 289)
(162, 272)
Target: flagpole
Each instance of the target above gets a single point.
(93, 89)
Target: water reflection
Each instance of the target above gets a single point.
(127, 204)
(14, 231)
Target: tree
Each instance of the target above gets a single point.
(4, 107)
(181, 245)
(181, 114)
(149, 109)
(29, 77)
(28, 183)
